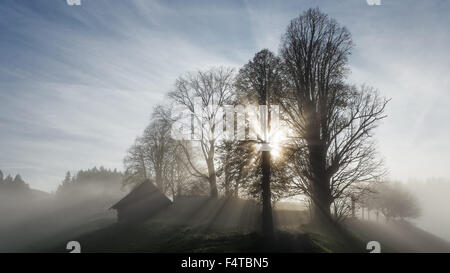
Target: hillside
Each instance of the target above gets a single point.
(197, 234)
(33, 219)
(398, 236)
(155, 236)
(192, 224)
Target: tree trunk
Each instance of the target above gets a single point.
(310, 209)
(353, 207)
(158, 178)
(212, 172)
(321, 205)
(321, 181)
(321, 195)
(227, 179)
(213, 185)
(267, 220)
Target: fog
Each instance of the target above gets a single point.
(433, 195)
(32, 220)
(37, 221)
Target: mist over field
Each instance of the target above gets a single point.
(432, 195)
(38, 221)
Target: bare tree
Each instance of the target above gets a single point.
(152, 154)
(333, 121)
(175, 173)
(257, 82)
(236, 166)
(394, 201)
(358, 195)
(158, 144)
(203, 94)
(136, 167)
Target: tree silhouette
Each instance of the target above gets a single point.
(256, 82)
(212, 89)
(89, 183)
(334, 120)
(394, 201)
(156, 155)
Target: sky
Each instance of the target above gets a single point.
(78, 83)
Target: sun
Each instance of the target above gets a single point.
(272, 139)
(277, 138)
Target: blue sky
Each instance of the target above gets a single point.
(78, 83)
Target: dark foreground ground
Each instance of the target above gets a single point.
(207, 225)
(156, 236)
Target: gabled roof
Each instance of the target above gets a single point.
(145, 190)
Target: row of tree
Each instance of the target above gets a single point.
(392, 200)
(329, 154)
(11, 183)
(90, 183)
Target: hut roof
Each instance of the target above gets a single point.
(145, 190)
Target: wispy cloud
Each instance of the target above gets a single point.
(77, 84)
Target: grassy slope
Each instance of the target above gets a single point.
(398, 236)
(159, 236)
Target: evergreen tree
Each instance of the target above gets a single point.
(87, 181)
(68, 178)
(19, 183)
(8, 179)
